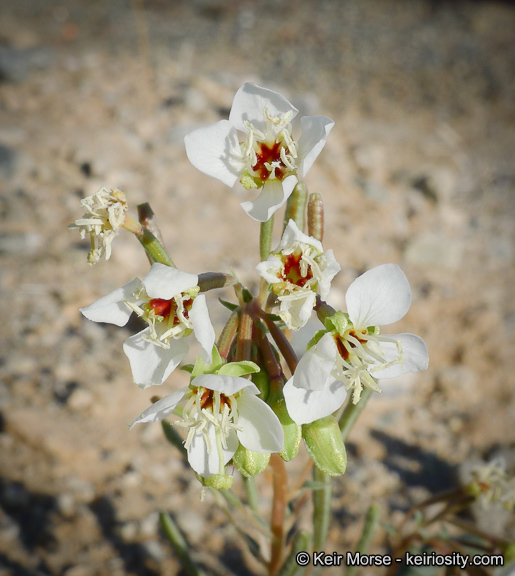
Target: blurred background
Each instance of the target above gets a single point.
(418, 171)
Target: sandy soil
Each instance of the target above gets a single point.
(418, 171)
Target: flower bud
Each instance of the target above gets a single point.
(324, 444)
(316, 216)
(262, 381)
(250, 463)
(292, 431)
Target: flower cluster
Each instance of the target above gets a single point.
(239, 407)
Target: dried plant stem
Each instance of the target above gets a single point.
(228, 334)
(244, 337)
(280, 484)
(280, 339)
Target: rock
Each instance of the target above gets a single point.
(155, 550)
(66, 504)
(430, 249)
(80, 399)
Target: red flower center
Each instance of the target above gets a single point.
(269, 154)
(168, 308)
(344, 353)
(292, 272)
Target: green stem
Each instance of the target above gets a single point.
(252, 494)
(179, 545)
(351, 412)
(265, 238)
(174, 438)
(371, 524)
(302, 543)
(321, 509)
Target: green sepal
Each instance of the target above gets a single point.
(241, 368)
(316, 339)
(247, 295)
(250, 463)
(187, 368)
(218, 481)
(339, 322)
(262, 381)
(324, 444)
(292, 431)
(202, 368)
(232, 307)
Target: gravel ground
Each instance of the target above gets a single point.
(418, 171)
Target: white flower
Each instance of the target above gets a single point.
(269, 157)
(219, 412)
(354, 352)
(169, 301)
(105, 213)
(296, 271)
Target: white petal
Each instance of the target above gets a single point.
(111, 308)
(315, 130)
(250, 102)
(150, 364)
(270, 269)
(205, 463)
(378, 297)
(160, 409)
(306, 406)
(414, 354)
(228, 385)
(292, 235)
(295, 312)
(328, 273)
(273, 195)
(202, 327)
(215, 151)
(261, 429)
(315, 367)
(166, 282)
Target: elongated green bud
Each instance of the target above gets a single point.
(296, 206)
(262, 381)
(316, 216)
(250, 463)
(325, 445)
(292, 431)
